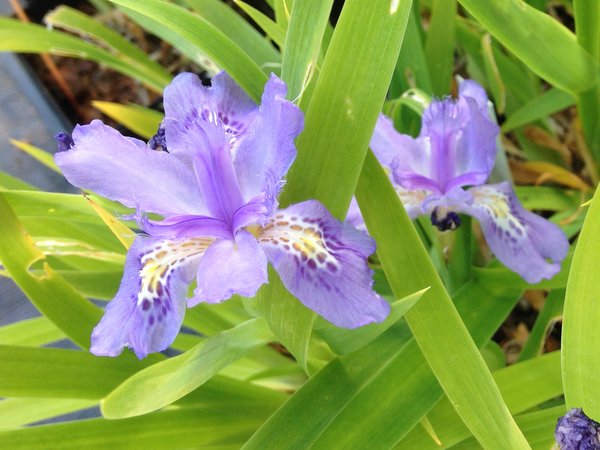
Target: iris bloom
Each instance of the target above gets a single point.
(455, 149)
(576, 431)
(215, 181)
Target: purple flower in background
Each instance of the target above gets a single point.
(455, 149)
(215, 183)
(576, 431)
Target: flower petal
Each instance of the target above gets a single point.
(387, 143)
(521, 240)
(208, 151)
(462, 141)
(126, 170)
(181, 226)
(224, 104)
(230, 267)
(267, 151)
(148, 310)
(324, 264)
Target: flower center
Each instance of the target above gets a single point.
(445, 220)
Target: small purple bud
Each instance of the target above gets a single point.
(445, 220)
(159, 141)
(576, 431)
(64, 141)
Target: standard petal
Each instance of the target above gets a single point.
(230, 267)
(206, 148)
(267, 151)
(126, 170)
(462, 141)
(224, 104)
(470, 88)
(387, 143)
(524, 242)
(147, 312)
(324, 264)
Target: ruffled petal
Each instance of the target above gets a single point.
(524, 242)
(147, 312)
(126, 170)
(267, 151)
(462, 141)
(324, 264)
(223, 104)
(230, 267)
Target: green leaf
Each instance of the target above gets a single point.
(587, 19)
(16, 412)
(289, 320)
(30, 332)
(21, 37)
(411, 68)
(307, 26)
(341, 116)
(7, 181)
(221, 428)
(138, 119)
(239, 31)
(540, 107)
(344, 341)
(523, 386)
(368, 380)
(439, 48)
(73, 314)
(539, 41)
(50, 372)
(205, 37)
(37, 153)
(547, 318)
(79, 23)
(537, 426)
(434, 321)
(272, 29)
(173, 378)
(581, 320)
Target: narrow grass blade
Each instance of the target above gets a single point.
(439, 48)
(542, 106)
(73, 314)
(53, 373)
(16, 36)
(239, 31)
(303, 44)
(87, 27)
(30, 332)
(539, 41)
(581, 320)
(550, 314)
(17, 412)
(138, 119)
(272, 29)
(173, 378)
(121, 231)
(38, 154)
(204, 36)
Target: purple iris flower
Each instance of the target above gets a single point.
(576, 431)
(214, 180)
(456, 148)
